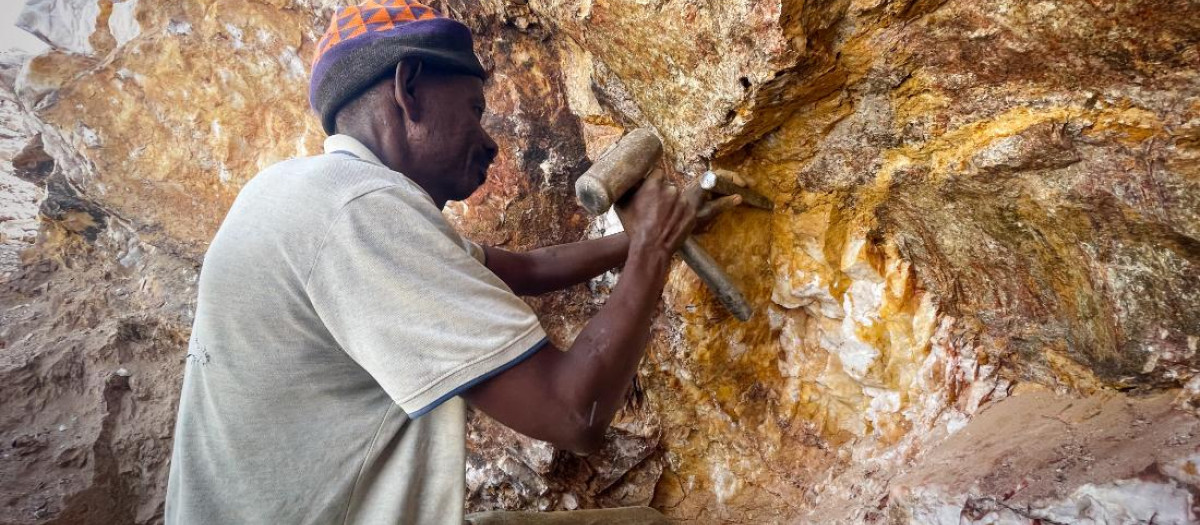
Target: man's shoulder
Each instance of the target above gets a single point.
(335, 179)
(312, 192)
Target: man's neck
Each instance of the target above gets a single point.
(392, 158)
(372, 143)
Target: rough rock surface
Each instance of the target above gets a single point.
(18, 193)
(1104, 458)
(975, 301)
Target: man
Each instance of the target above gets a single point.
(341, 321)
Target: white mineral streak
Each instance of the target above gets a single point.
(1185, 469)
(725, 483)
(122, 22)
(176, 27)
(801, 290)
(235, 33)
(874, 384)
(295, 66)
(64, 24)
(32, 89)
(929, 506)
(607, 224)
(1129, 501)
(18, 198)
(1125, 501)
(1189, 396)
(861, 304)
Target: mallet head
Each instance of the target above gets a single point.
(616, 171)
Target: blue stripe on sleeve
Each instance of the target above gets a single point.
(469, 384)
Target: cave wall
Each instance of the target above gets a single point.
(986, 225)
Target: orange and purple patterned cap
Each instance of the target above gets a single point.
(364, 42)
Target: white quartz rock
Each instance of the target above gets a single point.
(64, 24)
(122, 23)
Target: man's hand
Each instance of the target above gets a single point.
(556, 267)
(657, 214)
(710, 209)
(569, 398)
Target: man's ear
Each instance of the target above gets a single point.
(407, 73)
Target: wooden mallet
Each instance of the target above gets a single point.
(621, 168)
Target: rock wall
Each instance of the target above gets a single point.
(975, 301)
(18, 197)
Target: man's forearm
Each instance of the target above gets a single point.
(601, 363)
(569, 398)
(556, 267)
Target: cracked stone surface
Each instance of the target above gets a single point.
(974, 302)
(19, 195)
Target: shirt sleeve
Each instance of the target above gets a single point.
(475, 250)
(401, 293)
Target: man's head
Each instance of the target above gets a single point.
(405, 81)
(427, 124)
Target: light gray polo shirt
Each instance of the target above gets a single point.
(339, 316)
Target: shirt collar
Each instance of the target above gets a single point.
(351, 145)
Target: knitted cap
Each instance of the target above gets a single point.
(366, 41)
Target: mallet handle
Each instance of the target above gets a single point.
(620, 168)
(707, 269)
(717, 280)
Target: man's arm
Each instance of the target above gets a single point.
(569, 398)
(556, 267)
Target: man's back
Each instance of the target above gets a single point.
(278, 422)
(340, 317)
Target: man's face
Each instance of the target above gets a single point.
(449, 143)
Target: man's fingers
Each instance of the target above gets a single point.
(650, 182)
(731, 176)
(695, 194)
(716, 207)
(627, 198)
(655, 175)
(654, 181)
